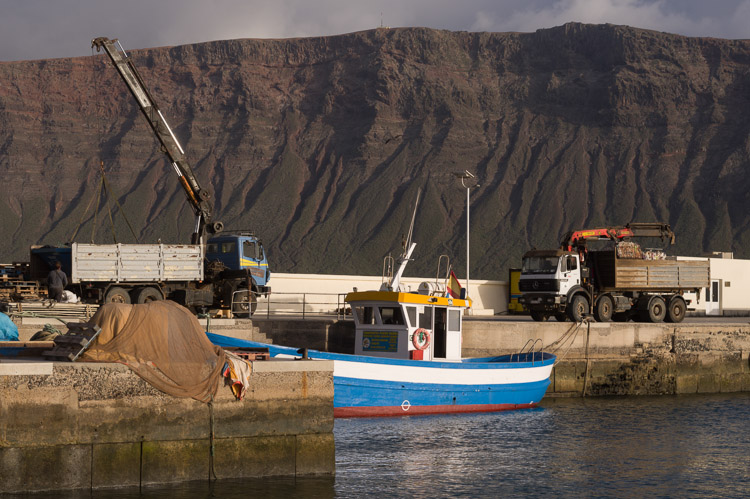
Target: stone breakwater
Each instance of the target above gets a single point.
(96, 426)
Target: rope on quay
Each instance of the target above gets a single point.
(569, 335)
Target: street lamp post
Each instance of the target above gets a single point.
(465, 176)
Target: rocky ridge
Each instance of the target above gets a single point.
(320, 144)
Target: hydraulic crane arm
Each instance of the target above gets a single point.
(578, 238)
(199, 199)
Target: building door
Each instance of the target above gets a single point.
(713, 298)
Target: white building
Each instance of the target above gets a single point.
(729, 292)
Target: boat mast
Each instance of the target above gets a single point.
(408, 249)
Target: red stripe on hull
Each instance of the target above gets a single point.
(382, 411)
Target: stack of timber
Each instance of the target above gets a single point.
(71, 345)
(52, 309)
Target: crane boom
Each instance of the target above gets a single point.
(578, 238)
(199, 198)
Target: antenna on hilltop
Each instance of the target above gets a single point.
(381, 19)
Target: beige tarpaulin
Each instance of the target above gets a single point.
(163, 343)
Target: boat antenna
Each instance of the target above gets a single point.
(408, 249)
(407, 242)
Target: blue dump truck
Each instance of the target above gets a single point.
(229, 273)
(217, 270)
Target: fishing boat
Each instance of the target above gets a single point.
(407, 356)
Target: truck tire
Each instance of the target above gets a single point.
(676, 309)
(656, 310)
(578, 308)
(116, 294)
(245, 308)
(604, 309)
(539, 316)
(147, 294)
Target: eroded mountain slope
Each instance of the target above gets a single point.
(321, 144)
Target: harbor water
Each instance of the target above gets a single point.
(669, 446)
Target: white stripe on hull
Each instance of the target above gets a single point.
(437, 375)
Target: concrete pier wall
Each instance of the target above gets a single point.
(95, 426)
(629, 358)
(602, 358)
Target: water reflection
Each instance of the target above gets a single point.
(623, 447)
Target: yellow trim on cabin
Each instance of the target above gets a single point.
(410, 298)
(251, 263)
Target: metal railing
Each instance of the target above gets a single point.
(531, 343)
(303, 305)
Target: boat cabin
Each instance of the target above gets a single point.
(415, 326)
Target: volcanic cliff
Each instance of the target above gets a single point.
(320, 145)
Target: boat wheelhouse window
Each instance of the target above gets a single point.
(411, 313)
(392, 315)
(365, 315)
(454, 320)
(425, 318)
(539, 265)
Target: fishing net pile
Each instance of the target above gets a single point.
(163, 343)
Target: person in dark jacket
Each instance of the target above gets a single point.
(56, 282)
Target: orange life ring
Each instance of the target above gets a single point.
(421, 339)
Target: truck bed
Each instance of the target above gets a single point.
(626, 274)
(136, 262)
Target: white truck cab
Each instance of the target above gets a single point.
(547, 279)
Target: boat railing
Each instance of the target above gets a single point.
(530, 344)
(303, 305)
(447, 273)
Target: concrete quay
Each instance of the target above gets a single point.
(594, 359)
(97, 426)
(627, 358)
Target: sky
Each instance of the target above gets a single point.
(47, 29)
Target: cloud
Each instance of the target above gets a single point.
(659, 15)
(42, 29)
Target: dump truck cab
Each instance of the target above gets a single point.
(548, 280)
(241, 251)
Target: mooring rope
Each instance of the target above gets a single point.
(570, 335)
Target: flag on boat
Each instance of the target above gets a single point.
(454, 287)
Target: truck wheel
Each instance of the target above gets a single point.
(117, 294)
(657, 309)
(148, 294)
(578, 308)
(676, 309)
(604, 309)
(539, 316)
(561, 317)
(245, 308)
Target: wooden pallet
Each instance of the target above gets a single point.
(27, 290)
(71, 345)
(250, 353)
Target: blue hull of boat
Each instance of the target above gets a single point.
(375, 386)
